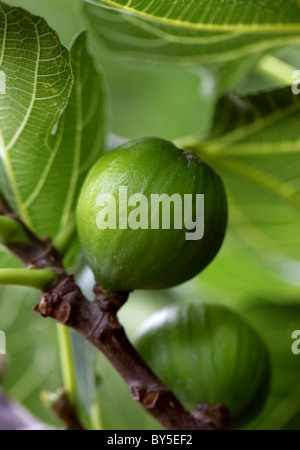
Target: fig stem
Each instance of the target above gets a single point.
(276, 69)
(40, 279)
(67, 362)
(65, 237)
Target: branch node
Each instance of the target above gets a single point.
(146, 395)
(217, 417)
(113, 321)
(109, 301)
(57, 303)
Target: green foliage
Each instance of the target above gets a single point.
(37, 89)
(227, 37)
(254, 144)
(41, 162)
(215, 15)
(276, 323)
(166, 64)
(30, 366)
(67, 22)
(79, 140)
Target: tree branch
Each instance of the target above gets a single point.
(97, 322)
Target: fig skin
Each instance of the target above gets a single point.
(124, 260)
(208, 353)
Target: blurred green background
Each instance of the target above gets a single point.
(169, 102)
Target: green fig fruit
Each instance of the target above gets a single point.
(208, 353)
(150, 216)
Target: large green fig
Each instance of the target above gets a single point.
(150, 216)
(208, 353)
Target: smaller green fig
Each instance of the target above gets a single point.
(150, 216)
(208, 353)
